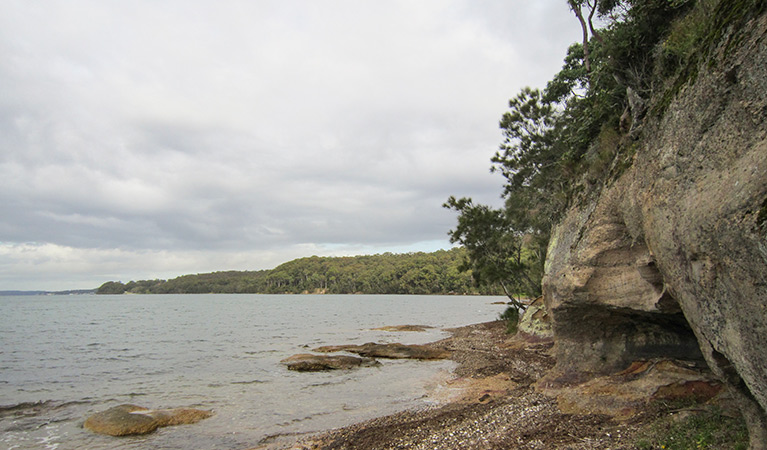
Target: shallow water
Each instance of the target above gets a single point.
(64, 358)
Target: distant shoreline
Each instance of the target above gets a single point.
(33, 293)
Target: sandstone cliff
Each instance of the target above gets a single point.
(670, 259)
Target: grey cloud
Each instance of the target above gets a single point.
(190, 136)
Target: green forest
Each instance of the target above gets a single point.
(440, 272)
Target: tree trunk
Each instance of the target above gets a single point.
(585, 29)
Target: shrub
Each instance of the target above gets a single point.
(511, 317)
(710, 429)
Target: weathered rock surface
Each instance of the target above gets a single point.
(671, 259)
(624, 394)
(535, 323)
(391, 351)
(307, 362)
(127, 419)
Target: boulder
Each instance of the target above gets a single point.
(128, 419)
(391, 351)
(306, 362)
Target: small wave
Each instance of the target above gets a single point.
(24, 408)
(323, 383)
(137, 394)
(305, 418)
(28, 409)
(249, 382)
(262, 352)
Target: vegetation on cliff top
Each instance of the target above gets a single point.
(411, 273)
(562, 144)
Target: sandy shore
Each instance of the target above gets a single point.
(490, 404)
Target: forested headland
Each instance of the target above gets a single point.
(440, 272)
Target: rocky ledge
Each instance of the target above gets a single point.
(307, 362)
(390, 351)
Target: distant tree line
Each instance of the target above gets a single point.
(440, 272)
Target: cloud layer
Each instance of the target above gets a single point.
(154, 138)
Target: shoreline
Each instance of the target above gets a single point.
(489, 402)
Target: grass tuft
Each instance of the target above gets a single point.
(708, 429)
(511, 317)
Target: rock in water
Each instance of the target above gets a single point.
(397, 328)
(124, 420)
(306, 362)
(391, 351)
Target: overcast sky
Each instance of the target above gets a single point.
(150, 139)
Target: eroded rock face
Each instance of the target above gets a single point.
(124, 420)
(671, 259)
(608, 299)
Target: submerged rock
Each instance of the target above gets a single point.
(395, 328)
(306, 362)
(124, 420)
(390, 351)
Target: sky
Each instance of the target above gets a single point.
(149, 139)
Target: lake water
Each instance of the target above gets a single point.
(64, 358)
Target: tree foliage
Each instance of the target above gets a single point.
(494, 250)
(563, 143)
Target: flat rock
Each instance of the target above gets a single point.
(307, 362)
(624, 394)
(390, 351)
(396, 328)
(124, 420)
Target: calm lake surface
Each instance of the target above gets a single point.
(63, 358)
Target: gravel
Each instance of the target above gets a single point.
(490, 404)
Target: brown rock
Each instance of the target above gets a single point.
(624, 394)
(306, 362)
(391, 351)
(127, 419)
(396, 328)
